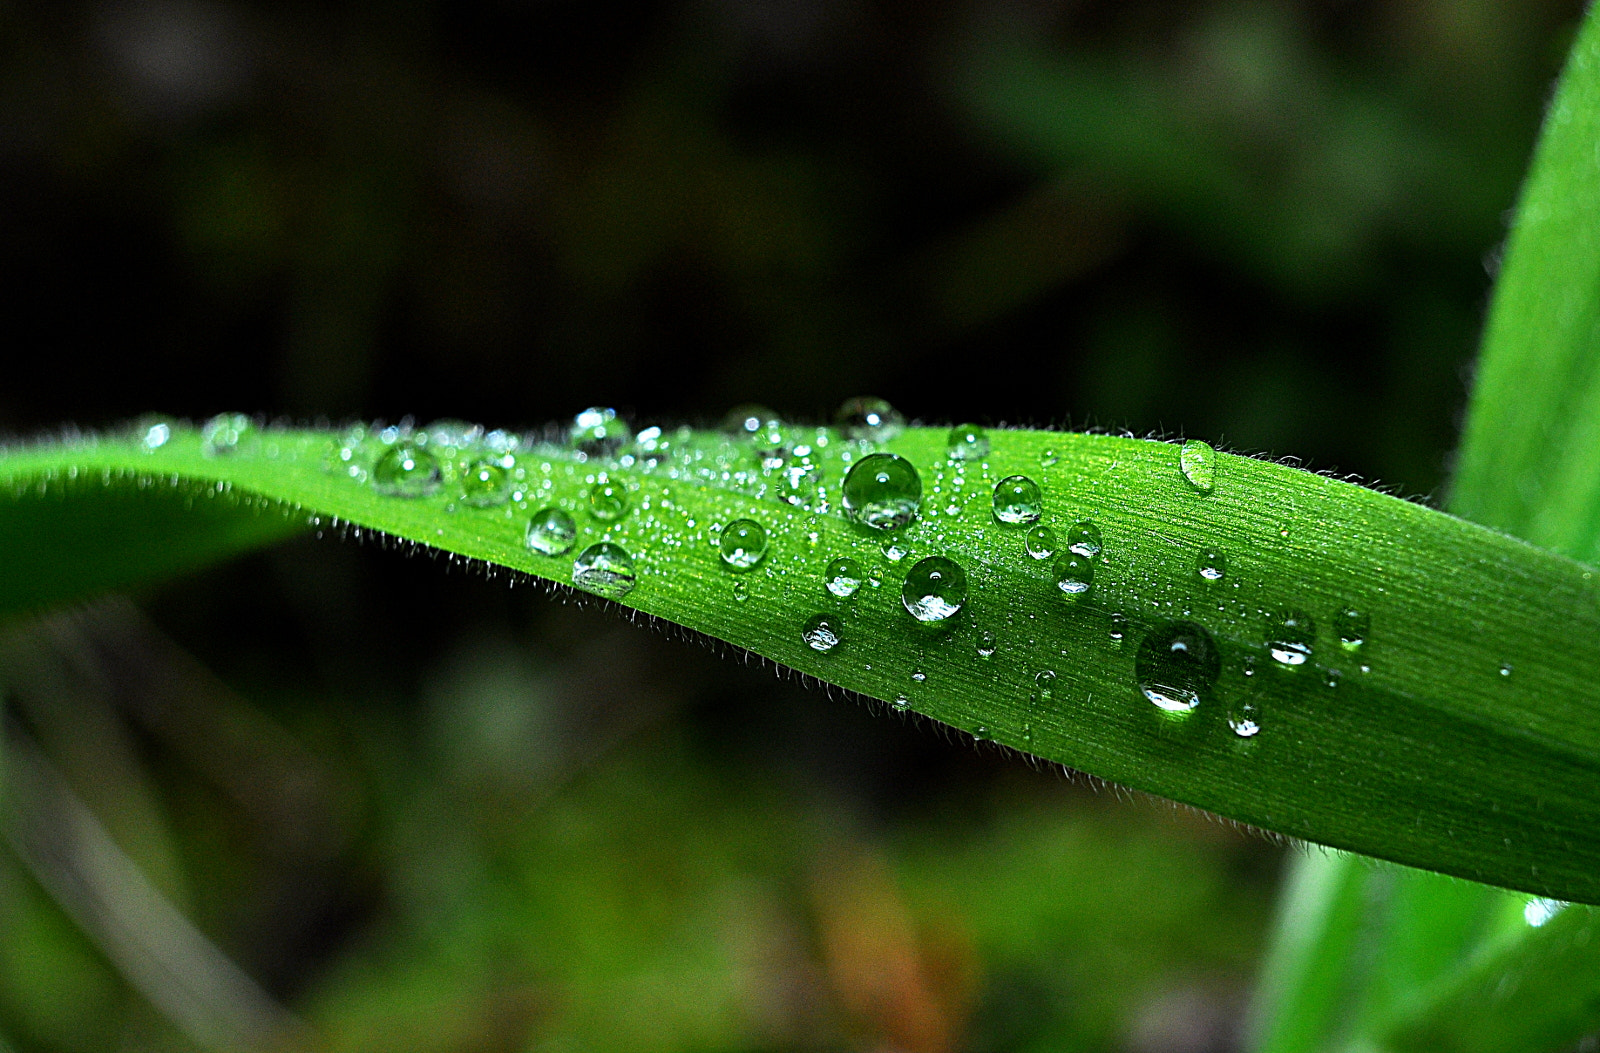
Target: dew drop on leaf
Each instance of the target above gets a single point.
(882, 491)
(1074, 576)
(1331, 678)
(1041, 541)
(1177, 666)
(1017, 500)
(1084, 539)
(406, 470)
(485, 483)
(1351, 626)
(1242, 718)
(1505, 669)
(935, 589)
(1048, 458)
(968, 442)
(821, 632)
(608, 501)
(224, 433)
(843, 577)
(153, 432)
(1119, 628)
(605, 569)
(869, 420)
(1212, 565)
(900, 704)
(1198, 461)
(893, 551)
(599, 432)
(750, 419)
(1044, 683)
(551, 532)
(741, 591)
(743, 544)
(919, 676)
(986, 644)
(1290, 636)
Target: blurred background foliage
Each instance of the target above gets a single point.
(336, 797)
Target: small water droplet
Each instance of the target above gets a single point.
(1212, 565)
(1505, 669)
(608, 501)
(1044, 683)
(986, 644)
(1290, 636)
(1084, 539)
(1242, 718)
(935, 589)
(406, 470)
(225, 433)
(485, 483)
(551, 532)
(1074, 576)
(1048, 458)
(599, 432)
(893, 551)
(968, 442)
(1351, 626)
(1017, 500)
(153, 432)
(869, 420)
(918, 675)
(1331, 678)
(1041, 541)
(1119, 628)
(605, 569)
(1198, 461)
(741, 591)
(1177, 666)
(1247, 665)
(751, 419)
(882, 491)
(821, 632)
(900, 704)
(843, 577)
(743, 543)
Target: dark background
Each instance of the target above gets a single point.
(1270, 225)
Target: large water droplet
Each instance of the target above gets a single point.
(599, 432)
(869, 420)
(406, 470)
(1212, 565)
(1041, 541)
(1017, 500)
(1074, 576)
(1177, 666)
(1290, 637)
(743, 543)
(606, 570)
(844, 577)
(1198, 462)
(608, 501)
(882, 491)
(968, 442)
(1084, 539)
(935, 589)
(225, 433)
(821, 632)
(485, 483)
(551, 532)
(1351, 626)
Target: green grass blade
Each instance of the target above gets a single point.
(1431, 757)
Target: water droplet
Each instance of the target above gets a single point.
(1352, 627)
(606, 570)
(1331, 678)
(900, 704)
(1017, 500)
(1119, 628)
(485, 483)
(743, 543)
(1290, 635)
(893, 551)
(406, 470)
(1048, 458)
(1505, 669)
(551, 532)
(935, 589)
(869, 420)
(821, 632)
(750, 419)
(1041, 541)
(225, 433)
(741, 591)
(1074, 576)
(1084, 539)
(1177, 666)
(608, 501)
(1212, 565)
(968, 442)
(1044, 683)
(882, 491)
(843, 577)
(986, 644)
(1242, 719)
(1199, 464)
(153, 432)
(456, 434)
(1247, 666)
(599, 432)
(918, 675)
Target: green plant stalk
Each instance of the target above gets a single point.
(1431, 757)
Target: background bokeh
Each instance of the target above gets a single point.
(351, 799)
